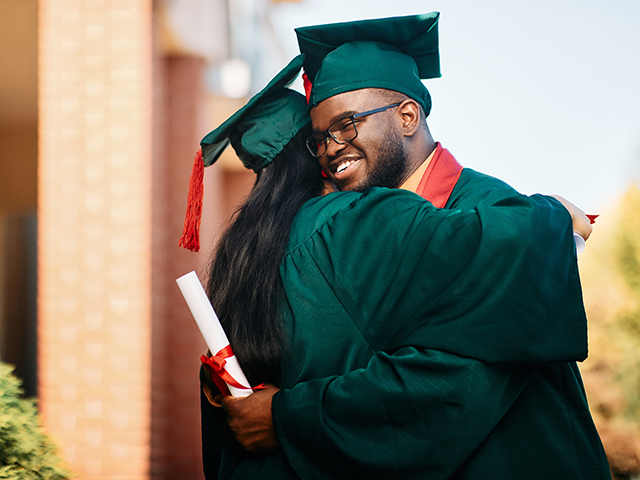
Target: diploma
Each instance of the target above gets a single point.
(223, 362)
(580, 243)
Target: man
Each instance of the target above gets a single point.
(368, 110)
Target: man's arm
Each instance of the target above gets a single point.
(377, 397)
(475, 187)
(497, 283)
(413, 414)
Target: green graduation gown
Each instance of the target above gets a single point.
(393, 309)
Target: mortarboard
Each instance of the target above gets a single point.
(257, 132)
(264, 125)
(393, 53)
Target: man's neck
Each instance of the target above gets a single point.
(416, 175)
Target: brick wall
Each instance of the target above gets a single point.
(119, 125)
(177, 343)
(94, 246)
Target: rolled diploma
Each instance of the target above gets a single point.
(210, 327)
(580, 242)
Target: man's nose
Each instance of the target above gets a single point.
(334, 147)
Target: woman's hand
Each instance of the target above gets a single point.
(250, 420)
(581, 223)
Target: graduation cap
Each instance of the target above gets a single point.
(257, 132)
(393, 53)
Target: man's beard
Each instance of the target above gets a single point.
(390, 169)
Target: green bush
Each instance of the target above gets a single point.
(26, 453)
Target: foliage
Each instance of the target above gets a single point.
(628, 239)
(610, 271)
(26, 453)
(627, 253)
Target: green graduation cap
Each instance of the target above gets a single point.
(264, 126)
(257, 132)
(394, 53)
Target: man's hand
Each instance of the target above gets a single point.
(250, 420)
(581, 223)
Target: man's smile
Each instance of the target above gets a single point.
(343, 168)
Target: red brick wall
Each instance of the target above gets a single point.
(118, 349)
(94, 224)
(177, 344)
(184, 114)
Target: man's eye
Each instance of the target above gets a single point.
(320, 141)
(347, 125)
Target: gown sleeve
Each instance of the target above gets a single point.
(213, 423)
(498, 283)
(414, 414)
(437, 294)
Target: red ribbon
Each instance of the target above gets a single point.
(592, 218)
(219, 375)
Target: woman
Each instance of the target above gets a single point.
(374, 300)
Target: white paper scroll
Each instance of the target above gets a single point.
(211, 328)
(580, 242)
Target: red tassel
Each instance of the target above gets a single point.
(191, 231)
(592, 218)
(307, 86)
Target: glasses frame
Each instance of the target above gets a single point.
(324, 140)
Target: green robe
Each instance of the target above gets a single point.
(393, 311)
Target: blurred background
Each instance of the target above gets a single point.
(102, 106)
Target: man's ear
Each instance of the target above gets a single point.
(410, 113)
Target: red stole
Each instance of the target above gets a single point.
(440, 178)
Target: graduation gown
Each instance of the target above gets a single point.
(394, 310)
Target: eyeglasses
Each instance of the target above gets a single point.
(342, 131)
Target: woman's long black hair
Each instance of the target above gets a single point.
(244, 283)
